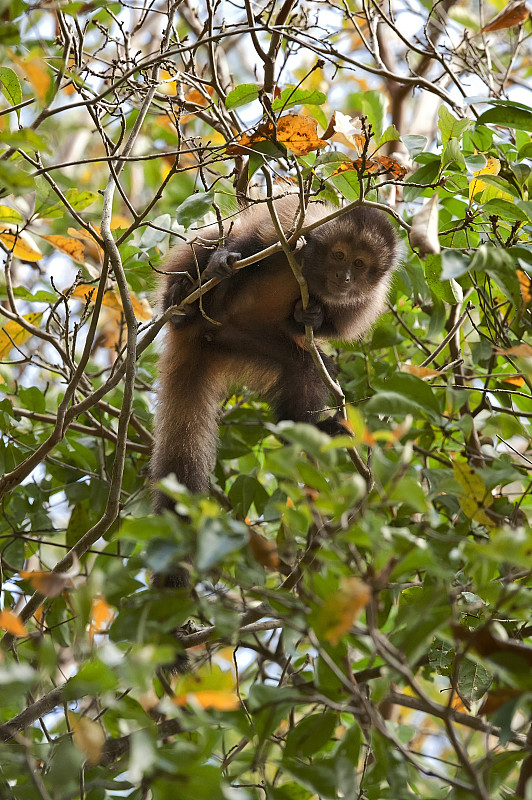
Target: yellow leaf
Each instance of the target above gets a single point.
(14, 334)
(340, 610)
(167, 84)
(141, 308)
(12, 623)
(20, 242)
(111, 299)
(492, 168)
(475, 498)
(210, 687)
(72, 247)
(84, 292)
(9, 215)
(88, 736)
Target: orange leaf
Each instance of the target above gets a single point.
(101, 616)
(392, 166)
(296, 132)
(72, 247)
(515, 381)
(50, 584)
(420, 372)
(526, 288)
(263, 550)
(36, 70)
(12, 623)
(221, 701)
(195, 96)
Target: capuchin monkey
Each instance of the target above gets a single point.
(249, 329)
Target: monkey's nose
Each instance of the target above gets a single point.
(344, 276)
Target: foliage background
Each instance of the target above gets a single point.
(348, 643)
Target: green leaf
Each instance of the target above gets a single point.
(25, 139)
(32, 398)
(526, 206)
(499, 183)
(245, 491)
(242, 95)
(311, 734)
(288, 791)
(320, 776)
(295, 97)
(10, 86)
(474, 680)
(216, 540)
(452, 154)
(448, 290)
(391, 134)
(268, 706)
(504, 717)
(450, 126)
(505, 210)
(79, 200)
(347, 184)
(454, 264)
(14, 178)
(414, 143)
(194, 207)
(93, 677)
(475, 162)
(512, 116)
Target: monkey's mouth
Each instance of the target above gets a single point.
(340, 291)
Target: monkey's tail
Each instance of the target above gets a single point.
(186, 428)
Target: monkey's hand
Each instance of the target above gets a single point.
(181, 286)
(312, 315)
(220, 264)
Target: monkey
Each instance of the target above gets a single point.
(249, 329)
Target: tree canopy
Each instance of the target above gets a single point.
(361, 622)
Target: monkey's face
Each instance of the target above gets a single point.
(345, 273)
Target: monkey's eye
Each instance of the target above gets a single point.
(358, 262)
(339, 255)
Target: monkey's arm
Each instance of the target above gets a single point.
(324, 323)
(220, 264)
(181, 284)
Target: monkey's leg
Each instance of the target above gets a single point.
(300, 394)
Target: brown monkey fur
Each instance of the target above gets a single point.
(250, 327)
